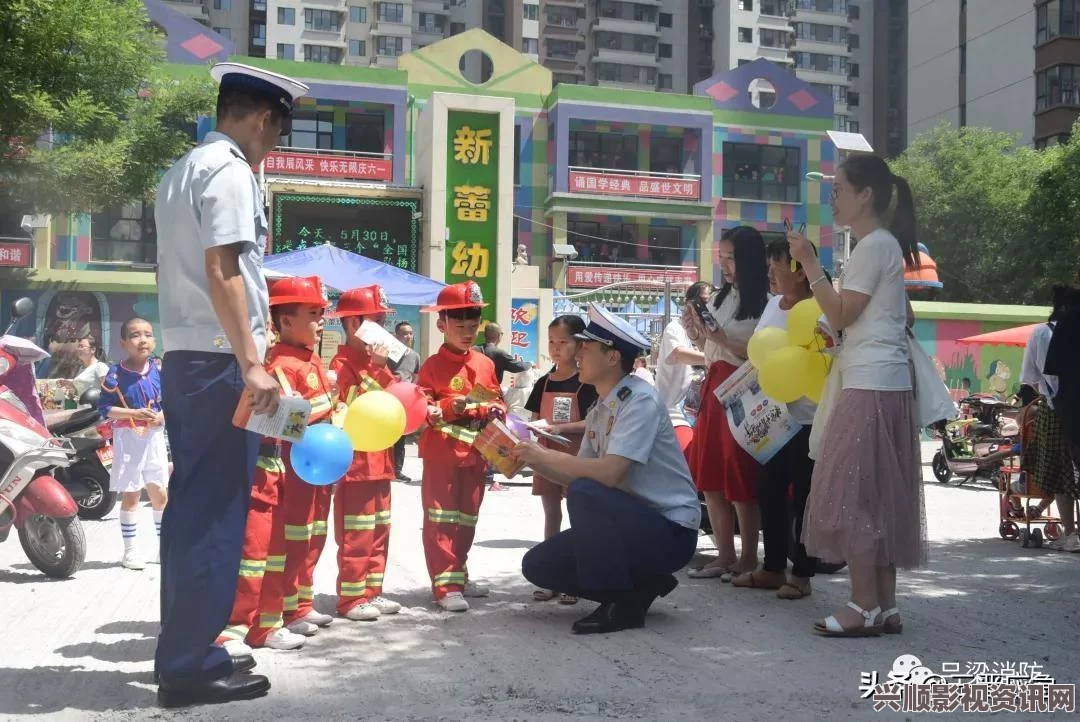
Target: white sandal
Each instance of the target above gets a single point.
(891, 628)
(871, 626)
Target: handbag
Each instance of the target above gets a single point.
(823, 411)
(931, 395)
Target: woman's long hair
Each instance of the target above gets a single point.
(65, 361)
(751, 273)
(897, 213)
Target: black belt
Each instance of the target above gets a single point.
(270, 449)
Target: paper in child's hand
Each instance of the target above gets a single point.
(495, 443)
(288, 423)
(483, 395)
(373, 334)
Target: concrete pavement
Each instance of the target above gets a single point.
(83, 648)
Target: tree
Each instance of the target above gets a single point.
(1054, 209)
(972, 187)
(88, 119)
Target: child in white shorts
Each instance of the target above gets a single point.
(131, 397)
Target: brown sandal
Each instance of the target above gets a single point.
(793, 591)
(758, 580)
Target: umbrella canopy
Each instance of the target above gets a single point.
(341, 270)
(1006, 337)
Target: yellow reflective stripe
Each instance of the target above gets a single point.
(449, 578)
(359, 522)
(236, 631)
(270, 621)
(369, 384)
(295, 532)
(252, 567)
(353, 589)
(442, 516)
(271, 464)
(285, 385)
(466, 519)
(459, 433)
(382, 517)
(290, 603)
(275, 564)
(306, 593)
(320, 403)
(375, 579)
(351, 396)
(318, 528)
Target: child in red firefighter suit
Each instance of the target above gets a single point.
(453, 481)
(297, 305)
(362, 499)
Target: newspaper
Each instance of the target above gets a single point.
(288, 423)
(495, 443)
(373, 334)
(760, 425)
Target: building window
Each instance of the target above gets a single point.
(853, 12)
(628, 43)
(774, 8)
(365, 132)
(258, 35)
(619, 73)
(853, 71)
(225, 5)
(562, 17)
(746, 35)
(532, 12)
(665, 50)
(853, 99)
(391, 12)
(840, 122)
(853, 41)
(770, 38)
(824, 63)
(223, 32)
(744, 61)
(322, 54)
(259, 6)
(762, 172)
(125, 234)
(358, 14)
(286, 16)
(389, 46)
(665, 245)
(562, 49)
(530, 46)
(358, 48)
(1057, 18)
(821, 33)
(286, 51)
(665, 20)
(853, 126)
(664, 82)
(324, 20)
(457, 28)
(311, 129)
(431, 23)
(1059, 85)
(838, 93)
(665, 155)
(613, 151)
(838, 7)
(746, 5)
(626, 11)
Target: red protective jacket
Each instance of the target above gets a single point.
(445, 376)
(356, 375)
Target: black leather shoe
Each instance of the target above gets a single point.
(610, 617)
(227, 689)
(243, 663)
(659, 586)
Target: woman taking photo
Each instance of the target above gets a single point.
(865, 504)
(723, 471)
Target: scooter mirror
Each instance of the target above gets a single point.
(22, 308)
(90, 397)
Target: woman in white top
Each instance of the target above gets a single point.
(725, 474)
(93, 370)
(865, 504)
(675, 360)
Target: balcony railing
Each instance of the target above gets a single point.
(324, 163)
(638, 183)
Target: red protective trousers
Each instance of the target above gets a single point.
(257, 610)
(451, 496)
(362, 532)
(306, 511)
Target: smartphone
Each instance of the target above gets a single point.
(703, 312)
(802, 230)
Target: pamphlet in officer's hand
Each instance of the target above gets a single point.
(288, 423)
(544, 432)
(373, 334)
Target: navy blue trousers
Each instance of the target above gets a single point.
(616, 543)
(202, 531)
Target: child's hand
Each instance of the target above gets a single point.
(159, 419)
(459, 404)
(148, 415)
(379, 354)
(434, 414)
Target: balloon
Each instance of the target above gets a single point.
(819, 369)
(322, 456)
(764, 342)
(414, 402)
(375, 421)
(791, 373)
(802, 321)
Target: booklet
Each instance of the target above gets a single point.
(288, 423)
(373, 334)
(495, 443)
(545, 433)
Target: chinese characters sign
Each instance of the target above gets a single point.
(597, 276)
(381, 228)
(15, 254)
(525, 329)
(635, 185)
(472, 180)
(322, 166)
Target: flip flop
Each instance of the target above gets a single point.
(567, 600)
(755, 580)
(708, 572)
(543, 595)
(793, 591)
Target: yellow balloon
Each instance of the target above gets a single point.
(815, 376)
(764, 342)
(781, 376)
(375, 421)
(802, 321)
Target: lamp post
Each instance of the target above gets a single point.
(846, 230)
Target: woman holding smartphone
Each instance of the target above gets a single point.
(725, 474)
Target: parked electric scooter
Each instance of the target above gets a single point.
(32, 501)
(87, 479)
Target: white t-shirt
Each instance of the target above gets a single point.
(802, 411)
(737, 331)
(874, 354)
(673, 379)
(92, 376)
(1031, 370)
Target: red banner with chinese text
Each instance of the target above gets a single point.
(634, 185)
(322, 166)
(16, 254)
(597, 276)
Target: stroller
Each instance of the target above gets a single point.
(986, 425)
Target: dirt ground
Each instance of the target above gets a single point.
(83, 648)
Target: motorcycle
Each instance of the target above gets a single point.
(31, 500)
(87, 479)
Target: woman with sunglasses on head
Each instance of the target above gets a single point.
(865, 505)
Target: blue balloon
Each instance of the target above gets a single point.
(323, 455)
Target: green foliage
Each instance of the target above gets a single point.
(1054, 209)
(80, 78)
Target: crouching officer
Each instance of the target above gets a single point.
(214, 312)
(634, 512)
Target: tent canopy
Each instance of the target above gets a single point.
(1006, 337)
(341, 270)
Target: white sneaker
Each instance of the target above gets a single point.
(1071, 543)
(318, 618)
(473, 589)
(302, 627)
(132, 561)
(366, 612)
(236, 648)
(454, 602)
(282, 638)
(385, 606)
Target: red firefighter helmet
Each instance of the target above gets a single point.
(297, 289)
(363, 301)
(459, 295)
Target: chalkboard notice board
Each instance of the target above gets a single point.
(384, 229)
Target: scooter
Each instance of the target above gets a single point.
(32, 501)
(87, 479)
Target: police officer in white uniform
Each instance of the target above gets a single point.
(634, 512)
(214, 311)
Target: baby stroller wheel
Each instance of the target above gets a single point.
(1008, 530)
(1036, 538)
(1025, 538)
(940, 467)
(1053, 531)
